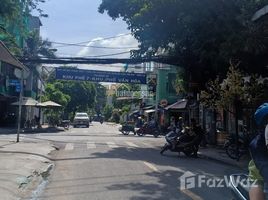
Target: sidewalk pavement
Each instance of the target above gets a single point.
(218, 154)
(44, 129)
(24, 167)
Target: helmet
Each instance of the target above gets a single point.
(261, 113)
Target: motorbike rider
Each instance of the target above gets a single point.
(176, 131)
(258, 166)
(199, 134)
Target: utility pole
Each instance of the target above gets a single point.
(40, 97)
(20, 105)
(156, 96)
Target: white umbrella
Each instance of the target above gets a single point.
(27, 101)
(51, 104)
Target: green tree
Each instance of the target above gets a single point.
(116, 116)
(237, 86)
(12, 9)
(53, 92)
(201, 36)
(36, 47)
(83, 95)
(107, 112)
(15, 13)
(100, 98)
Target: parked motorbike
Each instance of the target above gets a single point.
(65, 124)
(127, 128)
(149, 129)
(185, 142)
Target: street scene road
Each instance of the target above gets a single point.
(148, 99)
(100, 163)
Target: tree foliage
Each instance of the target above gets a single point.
(54, 93)
(100, 98)
(237, 86)
(15, 13)
(201, 35)
(83, 95)
(13, 10)
(107, 112)
(36, 47)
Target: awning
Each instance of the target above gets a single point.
(7, 57)
(26, 102)
(51, 104)
(179, 105)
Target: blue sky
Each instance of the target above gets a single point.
(79, 21)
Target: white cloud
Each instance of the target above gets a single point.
(124, 41)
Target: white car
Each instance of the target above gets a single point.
(81, 119)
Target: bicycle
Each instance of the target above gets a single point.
(234, 151)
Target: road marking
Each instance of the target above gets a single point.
(151, 166)
(132, 144)
(147, 145)
(111, 145)
(91, 145)
(69, 146)
(190, 194)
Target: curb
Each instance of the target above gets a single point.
(239, 165)
(8, 131)
(43, 130)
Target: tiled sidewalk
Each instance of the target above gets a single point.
(218, 154)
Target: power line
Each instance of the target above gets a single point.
(94, 40)
(97, 56)
(90, 46)
(105, 55)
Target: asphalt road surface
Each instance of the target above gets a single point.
(99, 163)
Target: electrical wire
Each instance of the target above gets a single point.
(94, 40)
(90, 46)
(85, 57)
(105, 55)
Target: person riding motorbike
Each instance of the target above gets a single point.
(258, 166)
(199, 135)
(175, 131)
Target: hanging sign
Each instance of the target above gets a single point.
(100, 76)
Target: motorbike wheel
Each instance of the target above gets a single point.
(188, 152)
(164, 148)
(140, 133)
(231, 151)
(66, 126)
(125, 132)
(156, 134)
